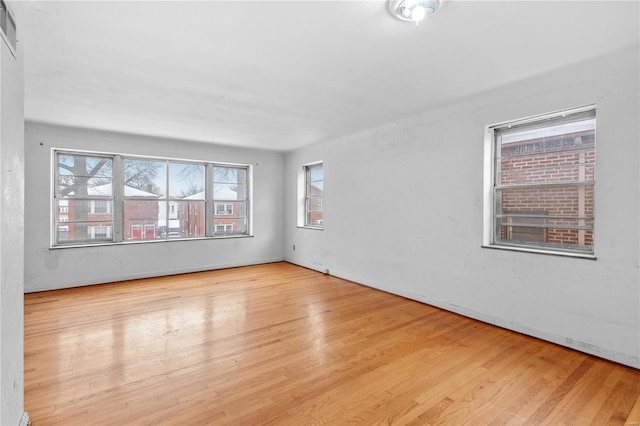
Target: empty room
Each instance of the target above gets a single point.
(168, 254)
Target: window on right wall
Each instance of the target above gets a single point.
(540, 195)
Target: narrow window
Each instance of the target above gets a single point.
(542, 194)
(144, 189)
(231, 201)
(187, 196)
(314, 185)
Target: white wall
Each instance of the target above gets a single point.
(12, 230)
(47, 268)
(403, 213)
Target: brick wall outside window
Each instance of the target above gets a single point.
(564, 158)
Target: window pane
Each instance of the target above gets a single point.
(236, 209)
(314, 185)
(548, 157)
(85, 210)
(229, 191)
(572, 201)
(190, 219)
(230, 218)
(545, 174)
(181, 219)
(81, 176)
(145, 178)
(229, 183)
(84, 232)
(316, 176)
(186, 181)
(230, 208)
(138, 215)
(314, 211)
(229, 175)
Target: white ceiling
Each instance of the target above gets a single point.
(280, 75)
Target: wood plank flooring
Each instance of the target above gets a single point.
(278, 344)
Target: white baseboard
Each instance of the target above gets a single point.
(630, 360)
(622, 358)
(151, 274)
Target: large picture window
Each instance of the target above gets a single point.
(146, 199)
(542, 183)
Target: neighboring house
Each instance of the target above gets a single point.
(147, 217)
(229, 214)
(93, 219)
(189, 215)
(168, 217)
(140, 216)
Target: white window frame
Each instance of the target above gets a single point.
(303, 196)
(62, 200)
(247, 200)
(490, 239)
(117, 200)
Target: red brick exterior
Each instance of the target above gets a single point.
(140, 220)
(192, 218)
(561, 159)
(315, 206)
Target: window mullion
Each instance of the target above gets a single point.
(209, 209)
(118, 198)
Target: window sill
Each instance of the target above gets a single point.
(541, 251)
(317, 228)
(160, 240)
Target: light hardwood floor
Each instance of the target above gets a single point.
(279, 344)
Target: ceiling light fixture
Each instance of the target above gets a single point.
(413, 10)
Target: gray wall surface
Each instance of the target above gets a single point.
(47, 268)
(12, 230)
(403, 212)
